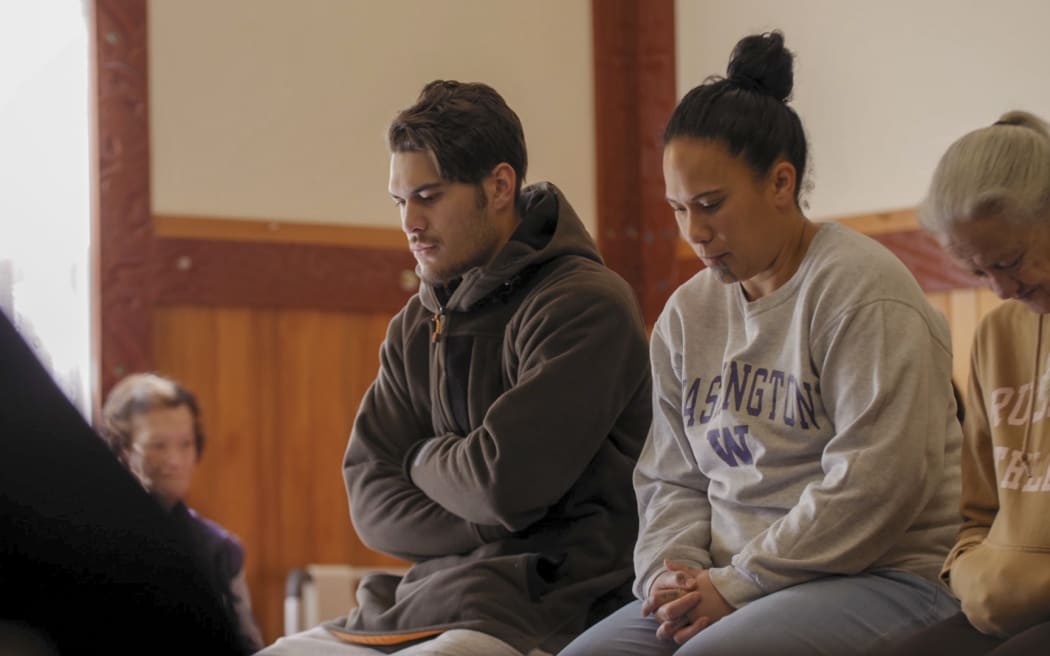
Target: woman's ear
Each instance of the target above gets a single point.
(784, 180)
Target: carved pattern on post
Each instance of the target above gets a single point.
(634, 77)
(125, 243)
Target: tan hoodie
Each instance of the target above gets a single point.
(1000, 566)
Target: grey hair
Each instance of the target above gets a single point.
(1000, 171)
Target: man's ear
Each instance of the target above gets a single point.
(500, 186)
(784, 181)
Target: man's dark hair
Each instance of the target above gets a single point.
(467, 126)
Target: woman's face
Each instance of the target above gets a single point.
(732, 220)
(1013, 258)
(164, 452)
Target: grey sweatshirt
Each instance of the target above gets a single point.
(811, 432)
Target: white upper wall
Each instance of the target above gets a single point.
(882, 87)
(278, 109)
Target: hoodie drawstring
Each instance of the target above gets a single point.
(1037, 385)
(439, 325)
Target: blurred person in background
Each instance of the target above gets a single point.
(153, 426)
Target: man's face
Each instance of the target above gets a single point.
(448, 224)
(164, 452)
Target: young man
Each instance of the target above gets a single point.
(496, 446)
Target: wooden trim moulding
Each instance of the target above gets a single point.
(216, 272)
(181, 226)
(215, 261)
(878, 223)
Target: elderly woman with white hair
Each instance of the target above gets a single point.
(152, 424)
(989, 206)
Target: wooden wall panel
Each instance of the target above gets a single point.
(964, 316)
(987, 301)
(278, 391)
(314, 373)
(939, 300)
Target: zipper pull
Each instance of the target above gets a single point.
(439, 325)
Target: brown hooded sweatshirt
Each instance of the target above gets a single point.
(496, 446)
(1000, 566)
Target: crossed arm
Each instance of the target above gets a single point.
(580, 361)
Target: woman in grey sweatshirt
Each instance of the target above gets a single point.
(798, 491)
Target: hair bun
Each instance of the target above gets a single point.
(1025, 120)
(761, 63)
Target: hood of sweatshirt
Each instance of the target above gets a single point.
(549, 228)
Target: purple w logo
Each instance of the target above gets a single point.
(728, 448)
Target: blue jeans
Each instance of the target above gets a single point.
(834, 616)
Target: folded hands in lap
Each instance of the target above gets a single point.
(684, 601)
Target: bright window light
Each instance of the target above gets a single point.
(45, 217)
